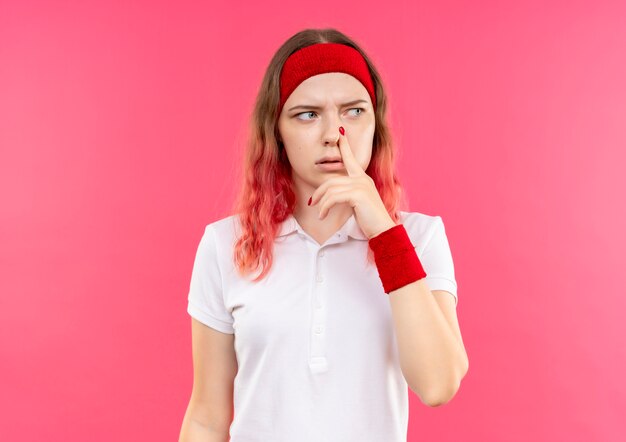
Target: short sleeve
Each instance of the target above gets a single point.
(205, 299)
(437, 261)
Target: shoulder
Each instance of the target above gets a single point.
(221, 232)
(227, 225)
(419, 223)
(420, 226)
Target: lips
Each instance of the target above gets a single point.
(331, 166)
(330, 159)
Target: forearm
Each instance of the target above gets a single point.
(431, 357)
(194, 431)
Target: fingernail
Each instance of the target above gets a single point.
(343, 132)
(310, 198)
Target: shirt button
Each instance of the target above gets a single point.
(318, 330)
(322, 253)
(319, 278)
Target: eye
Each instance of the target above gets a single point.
(312, 112)
(304, 113)
(359, 109)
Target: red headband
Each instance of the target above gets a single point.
(321, 58)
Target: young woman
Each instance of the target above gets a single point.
(319, 303)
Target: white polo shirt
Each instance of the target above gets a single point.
(315, 339)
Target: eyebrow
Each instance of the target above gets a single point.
(310, 106)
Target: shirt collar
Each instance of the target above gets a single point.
(350, 227)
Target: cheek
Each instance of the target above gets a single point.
(364, 155)
(365, 161)
(298, 156)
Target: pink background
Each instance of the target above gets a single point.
(121, 128)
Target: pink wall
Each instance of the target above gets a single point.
(120, 128)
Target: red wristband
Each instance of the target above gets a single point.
(396, 259)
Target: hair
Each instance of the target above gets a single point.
(265, 196)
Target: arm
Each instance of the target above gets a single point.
(432, 354)
(193, 430)
(210, 411)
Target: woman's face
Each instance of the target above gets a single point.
(310, 131)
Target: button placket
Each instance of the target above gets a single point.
(319, 278)
(318, 339)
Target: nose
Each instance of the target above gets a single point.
(331, 132)
(328, 142)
